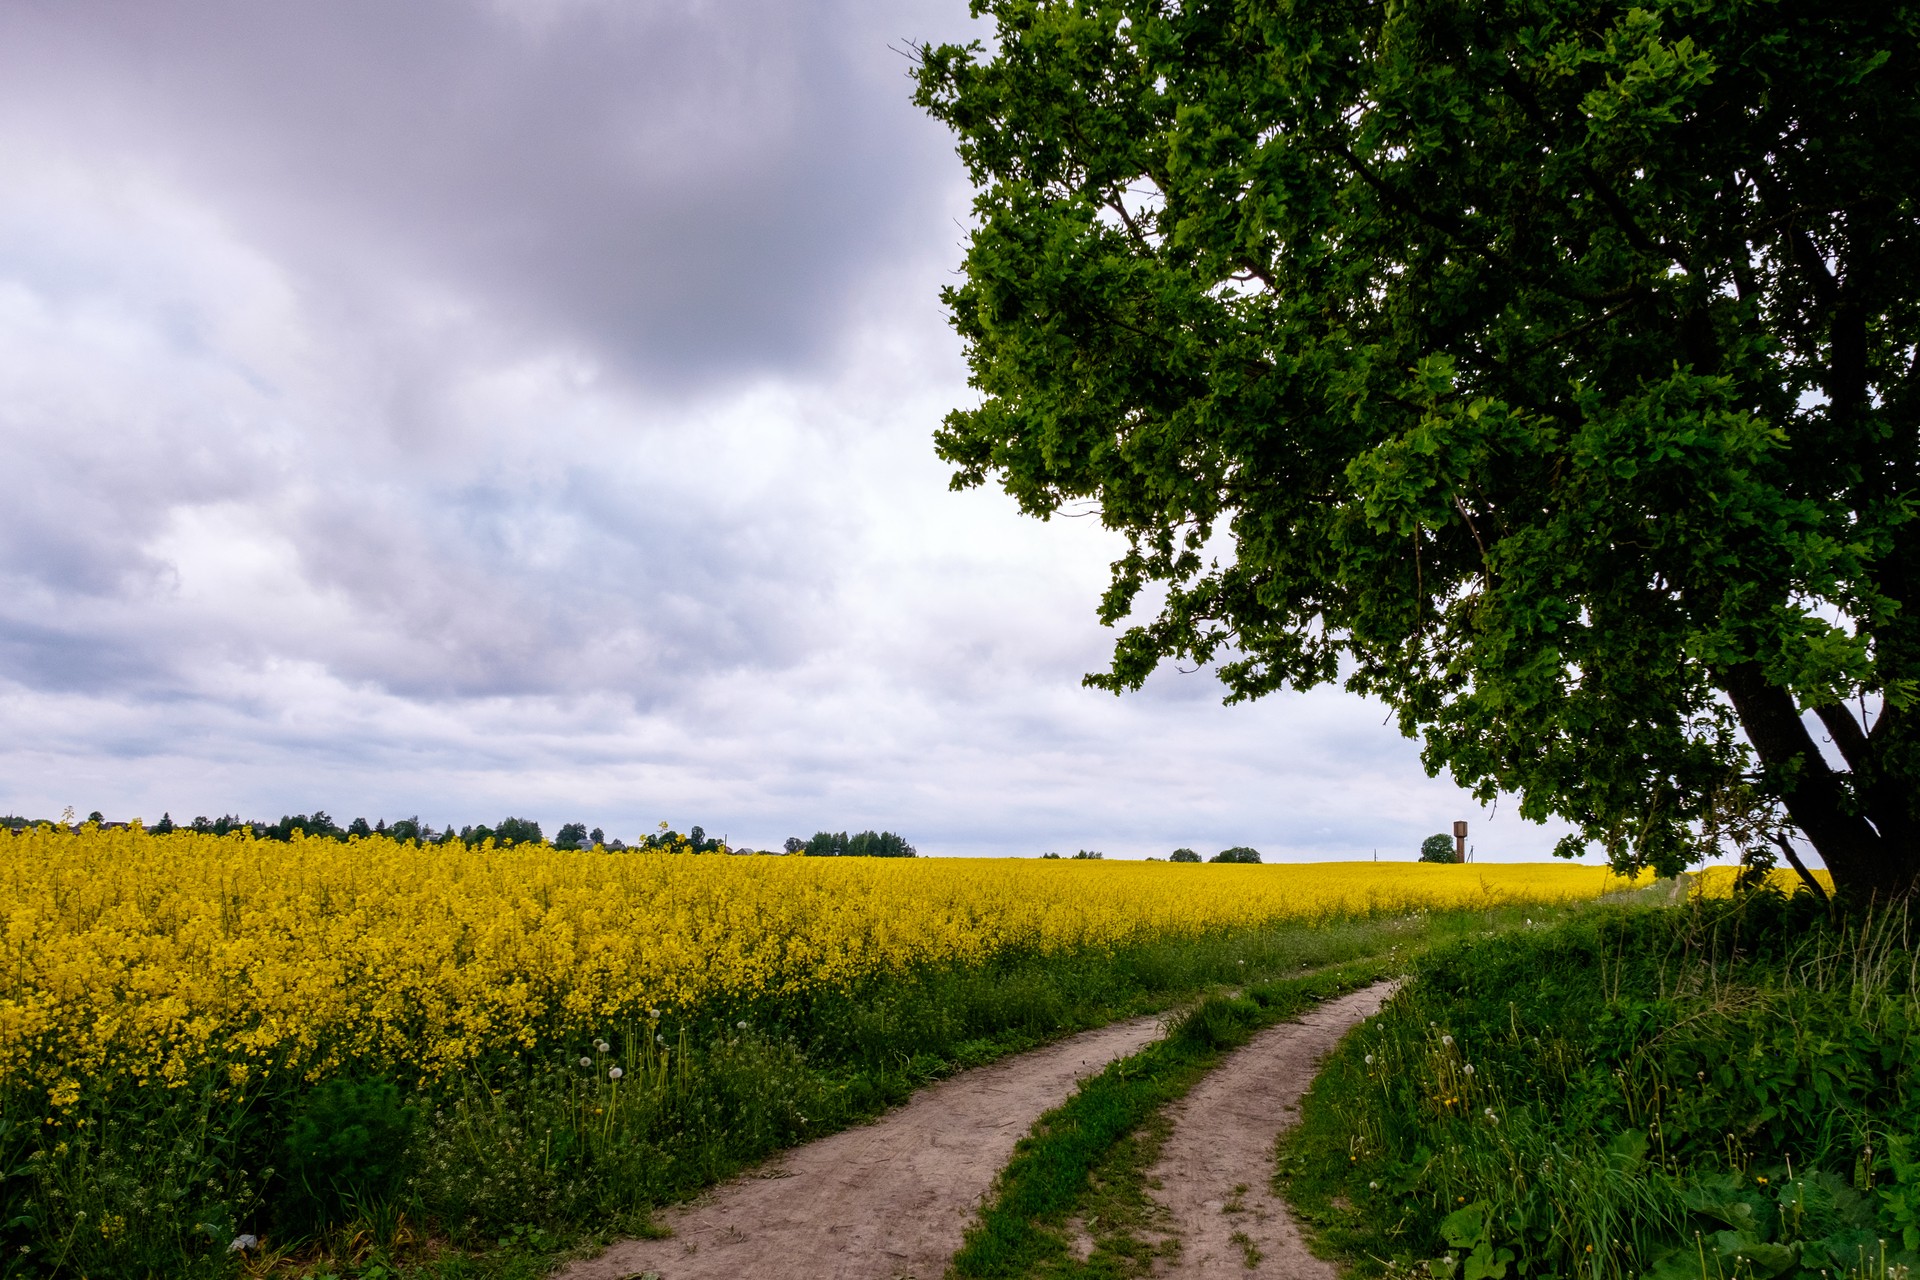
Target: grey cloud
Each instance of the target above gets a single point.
(43, 655)
(410, 195)
(490, 591)
(692, 188)
(423, 506)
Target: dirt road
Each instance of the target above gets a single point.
(880, 1202)
(1216, 1167)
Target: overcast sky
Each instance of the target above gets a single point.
(524, 407)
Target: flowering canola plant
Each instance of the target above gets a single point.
(1723, 881)
(153, 957)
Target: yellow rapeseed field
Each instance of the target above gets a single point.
(155, 956)
(1720, 881)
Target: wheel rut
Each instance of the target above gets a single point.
(884, 1201)
(1215, 1171)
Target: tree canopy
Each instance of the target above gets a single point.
(1239, 853)
(865, 844)
(1545, 369)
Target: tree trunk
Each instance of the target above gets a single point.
(1860, 823)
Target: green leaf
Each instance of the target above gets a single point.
(1487, 1263)
(1627, 1149)
(1465, 1227)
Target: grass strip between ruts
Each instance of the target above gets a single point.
(1019, 1229)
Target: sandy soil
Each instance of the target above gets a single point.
(1216, 1168)
(880, 1202)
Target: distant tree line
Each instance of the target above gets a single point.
(319, 825)
(1239, 853)
(695, 840)
(575, 835)
(838, 844)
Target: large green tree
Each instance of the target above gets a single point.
(1543, 368)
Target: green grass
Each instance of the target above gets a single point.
(1084, 1167)
(1698, 1093)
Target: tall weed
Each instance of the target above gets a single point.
(1716, 1090)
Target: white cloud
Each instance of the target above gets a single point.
(468, 412)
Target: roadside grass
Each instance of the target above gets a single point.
(1083, 1170)
(1703, 1092)
(503, 1174)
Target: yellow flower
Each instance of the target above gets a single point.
(157, 957)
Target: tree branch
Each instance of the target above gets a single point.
(1806, 876)
(1847, 735)
(1259, 273)
(1813, 794)
(1461, 507)
(1119, 206)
